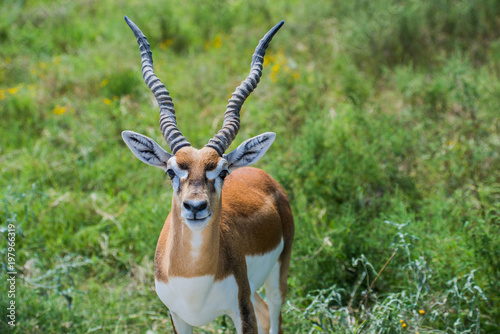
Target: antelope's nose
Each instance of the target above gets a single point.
(195, 206)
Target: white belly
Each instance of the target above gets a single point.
(199, 300)
(259, 266)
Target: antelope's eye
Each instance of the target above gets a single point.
(171, 173)
(223, 174)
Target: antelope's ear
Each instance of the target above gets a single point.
(250, 151)
(146, 149)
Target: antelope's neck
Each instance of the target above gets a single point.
(190, 253)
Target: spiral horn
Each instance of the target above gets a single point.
(168, 124)
(223, 138)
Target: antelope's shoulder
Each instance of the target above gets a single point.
(247, 190)
(250, 218)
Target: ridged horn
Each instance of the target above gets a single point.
(168, 125)
(222, 139)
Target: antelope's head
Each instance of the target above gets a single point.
(197, 176)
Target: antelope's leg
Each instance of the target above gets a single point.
(180, 326)
(243, 317)
(262, 313)
(274, 298)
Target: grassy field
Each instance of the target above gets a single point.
(388, 144)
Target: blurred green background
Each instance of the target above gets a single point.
(387, 122)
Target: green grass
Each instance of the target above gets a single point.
(384, 111)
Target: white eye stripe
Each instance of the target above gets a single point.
(180, 173)
(213, 174)
(175, 185)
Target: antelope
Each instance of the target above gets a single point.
(230, 229)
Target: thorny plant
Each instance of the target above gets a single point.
(59, 279)
(413, 309)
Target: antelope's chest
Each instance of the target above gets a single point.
(199, 300)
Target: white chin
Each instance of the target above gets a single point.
(197, 224)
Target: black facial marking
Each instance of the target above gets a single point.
(183, 166)
(211, 166)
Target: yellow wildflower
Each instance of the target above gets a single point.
(14, 90)
(2, 94)
(166, 43)
(404, 325)
(107, 101)
(217, 42)
(269, 59)
(103, 83)
(59, 110)
(281, 66)
(422, 312)
(401, 321)
(274, 72)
